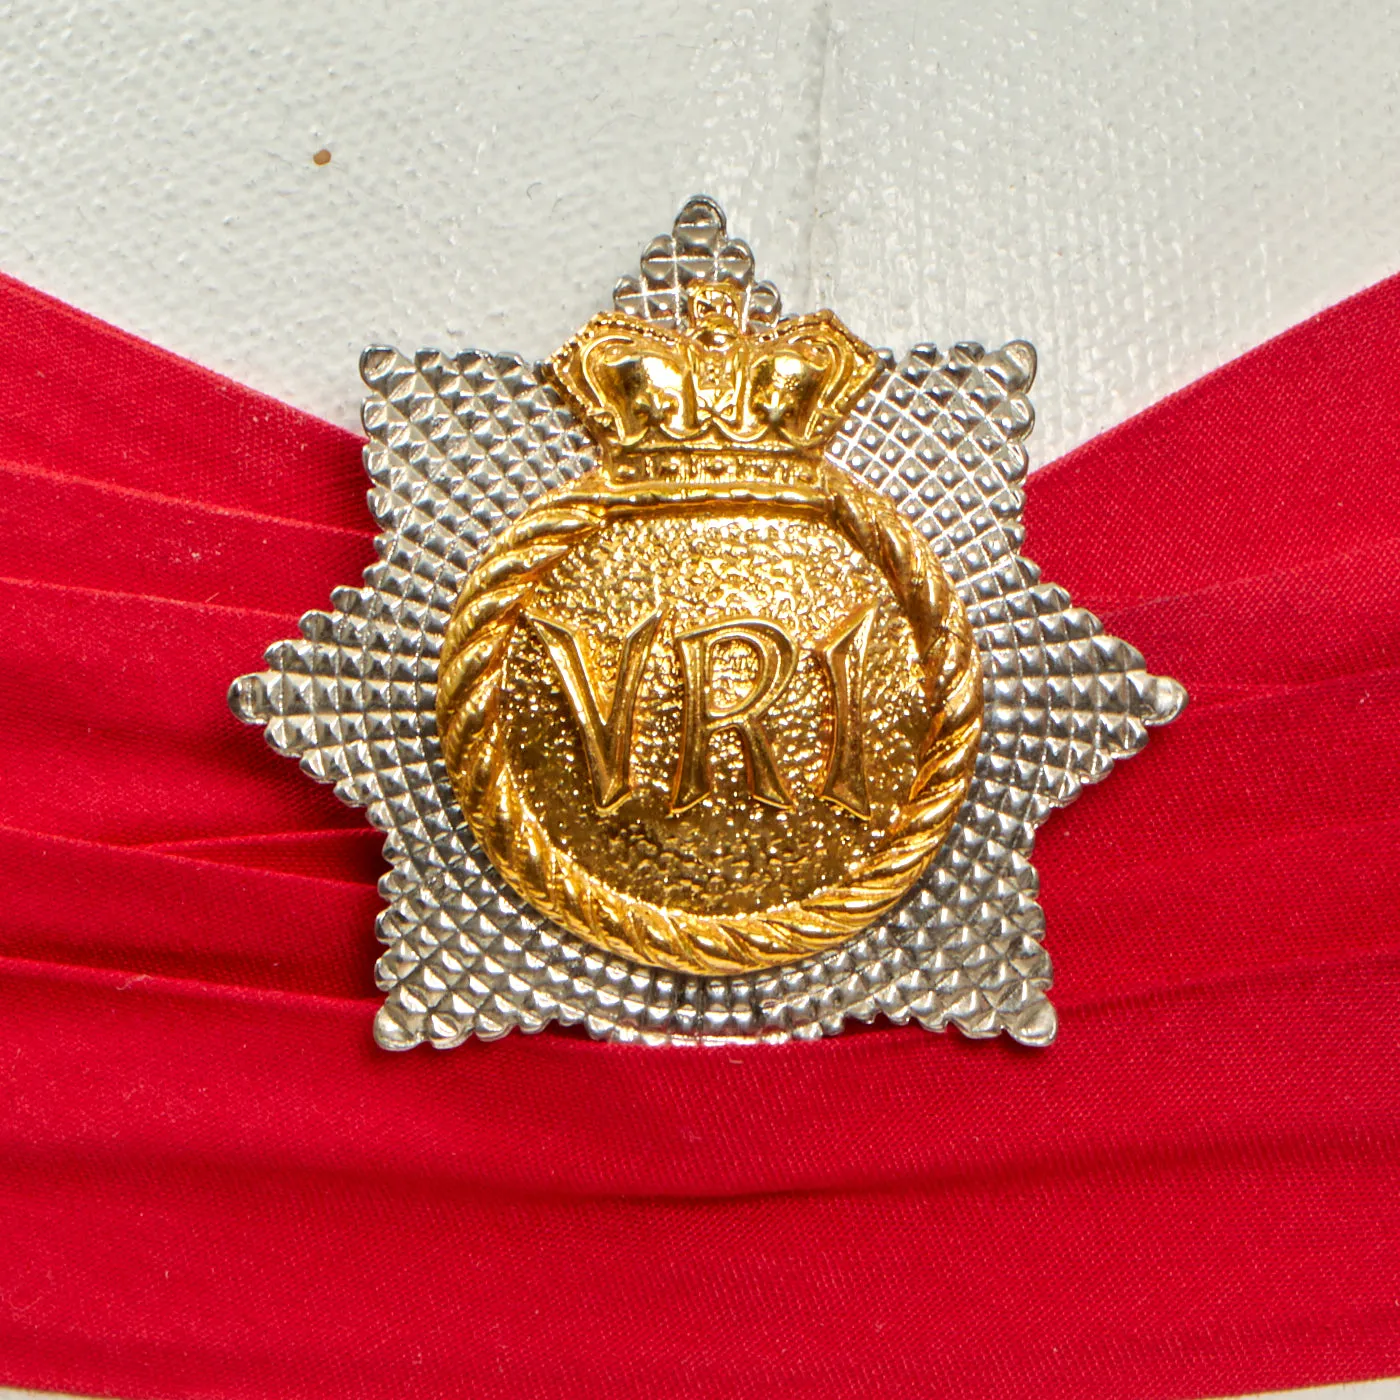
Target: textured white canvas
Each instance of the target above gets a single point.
(1142, 190)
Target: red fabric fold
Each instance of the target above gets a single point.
(1333, 616)
(184, 917)
(119, 727)
(1254, 469)
(354, 856)
(127, 541)
(83, 399)
(974, 1221)
(559, 1115)
(212, 1183)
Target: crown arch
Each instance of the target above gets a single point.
(643, 389)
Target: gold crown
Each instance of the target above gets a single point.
(646, 391)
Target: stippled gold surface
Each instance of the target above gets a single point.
(731, 853)
(738, 880)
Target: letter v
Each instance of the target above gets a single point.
(607, 742)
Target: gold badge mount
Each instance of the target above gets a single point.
(649, 623)
(714, 705)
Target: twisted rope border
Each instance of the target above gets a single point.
(516, 841)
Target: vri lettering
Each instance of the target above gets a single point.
(605, 727)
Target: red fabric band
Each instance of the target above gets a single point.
(212, 1183)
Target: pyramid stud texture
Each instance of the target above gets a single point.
(459, 445)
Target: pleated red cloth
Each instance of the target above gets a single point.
(213, 1184)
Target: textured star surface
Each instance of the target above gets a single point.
(459, 445)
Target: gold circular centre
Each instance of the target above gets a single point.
(712, 727)
(731, 852)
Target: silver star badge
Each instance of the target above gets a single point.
(462, 447)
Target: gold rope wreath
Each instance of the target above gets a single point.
(468, 713)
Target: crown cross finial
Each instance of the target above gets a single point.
(697, 250)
